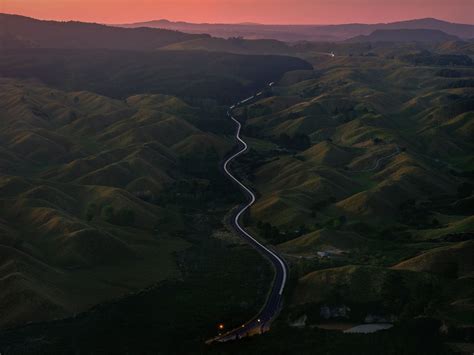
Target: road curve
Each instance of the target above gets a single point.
(378, 162)
(261, 322)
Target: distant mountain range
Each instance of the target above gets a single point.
(404, 35)
(307, 32)
(24, 32)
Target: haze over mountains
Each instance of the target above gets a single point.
(20, 31)
(23, 32)
(307, 32)
(405, 35)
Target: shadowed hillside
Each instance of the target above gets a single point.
(405, 35)
(194, 75)
(107, 174)
(21, 32)
(233, 45)
(83, 195)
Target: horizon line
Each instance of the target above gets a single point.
(240, 23)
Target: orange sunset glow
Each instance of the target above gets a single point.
(230, 11)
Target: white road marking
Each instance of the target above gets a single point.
(252, 200)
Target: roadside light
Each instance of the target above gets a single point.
(258, 320)
(221, 326)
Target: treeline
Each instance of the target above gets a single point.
(203, 183)
(120, 216)
(298, 141)
(459, 105)
(224, 77)
(275, 236)
(459, 84)
(428, 58)
(452, 73)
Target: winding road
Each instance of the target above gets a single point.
(262, 321)
(379, 161)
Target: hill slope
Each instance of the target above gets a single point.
(20, 32)
(405, 35)
(363, 168)
(293, 33)
(84, 192)
(189, 74)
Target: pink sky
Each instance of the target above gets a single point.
(230, 11)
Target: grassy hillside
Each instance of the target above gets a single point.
(110, 178)
(363, 152)
(450, 261)
(364, 172)
(88, 190)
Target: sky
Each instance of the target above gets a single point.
(236, 11)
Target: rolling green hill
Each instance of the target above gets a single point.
(109, 160)
(82, 176)
(370, 171)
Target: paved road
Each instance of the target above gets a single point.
(261, 322)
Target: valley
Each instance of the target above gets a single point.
(133, 217)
